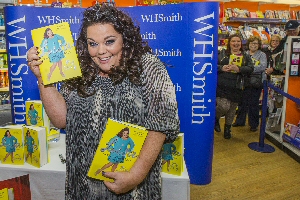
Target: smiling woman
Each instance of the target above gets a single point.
(122, 80)
(231, 81)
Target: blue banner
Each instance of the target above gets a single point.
(184, 36)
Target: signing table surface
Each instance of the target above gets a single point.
(48, 182)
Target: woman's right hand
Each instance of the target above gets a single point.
(34, 61)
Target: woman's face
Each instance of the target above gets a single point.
(49, 33)
(8, 134)
(125, 135)
(235, 44)
(104, 46)
(274, 42)
(253, 46)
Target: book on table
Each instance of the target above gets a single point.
(16, 188)
(7, 194)
(57, 51)
(118, 149)
(12, 145)
(35, 146)
(172, 156)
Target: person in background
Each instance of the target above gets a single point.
(231, 81)
(291, 28)
(122, 80)
(250, 100)
(274, 53)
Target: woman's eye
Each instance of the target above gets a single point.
(92, 44)
(110, 42)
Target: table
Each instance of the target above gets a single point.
(48, 182)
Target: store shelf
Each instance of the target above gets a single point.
(2, 28)
(275, 136)
(257, 20)
(2, 50)
(3, 69)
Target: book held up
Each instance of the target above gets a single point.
(118, 149)
(57, 51)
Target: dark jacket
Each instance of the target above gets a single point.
(275, 63)
(227, 81)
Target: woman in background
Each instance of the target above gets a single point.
(231, 81)
(274, 53)
(251, 94)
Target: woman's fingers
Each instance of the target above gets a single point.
(32, 54)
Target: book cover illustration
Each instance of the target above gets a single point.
(235, 60)
(12, 148)
(172, 156)
(35, 146)
(36, 115)
(255, 62)
(18, 187)
(57, 51)
(118, 149)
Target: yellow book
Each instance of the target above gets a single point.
(255, 62)
(4, 194)
(118, 149)
(36, 148)
(235, 60)
(12, 146)
(57, 51)
(36, 114)
(172, 156)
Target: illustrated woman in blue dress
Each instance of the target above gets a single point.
(32, 115)
(10, 142)
(167, 154)
(29, 142)
(118, 147)
(52, 44)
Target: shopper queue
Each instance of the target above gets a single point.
(240, 77)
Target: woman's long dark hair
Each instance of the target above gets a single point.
(132, 51)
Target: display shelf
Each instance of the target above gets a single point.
(274, 135)
(282, 139)
(257, 20)
(292, 148)
(2, 28)
(2, 50)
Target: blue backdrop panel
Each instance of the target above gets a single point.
(183, 36)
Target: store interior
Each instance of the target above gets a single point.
(238, 172)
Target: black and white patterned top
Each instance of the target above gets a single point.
(152, 105)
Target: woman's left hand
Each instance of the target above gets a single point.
(123, 181)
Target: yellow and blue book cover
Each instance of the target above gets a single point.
(36, 115)
(57, 51)
(172, 156)
(12, 146)
(35, 143)
(118, 149)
